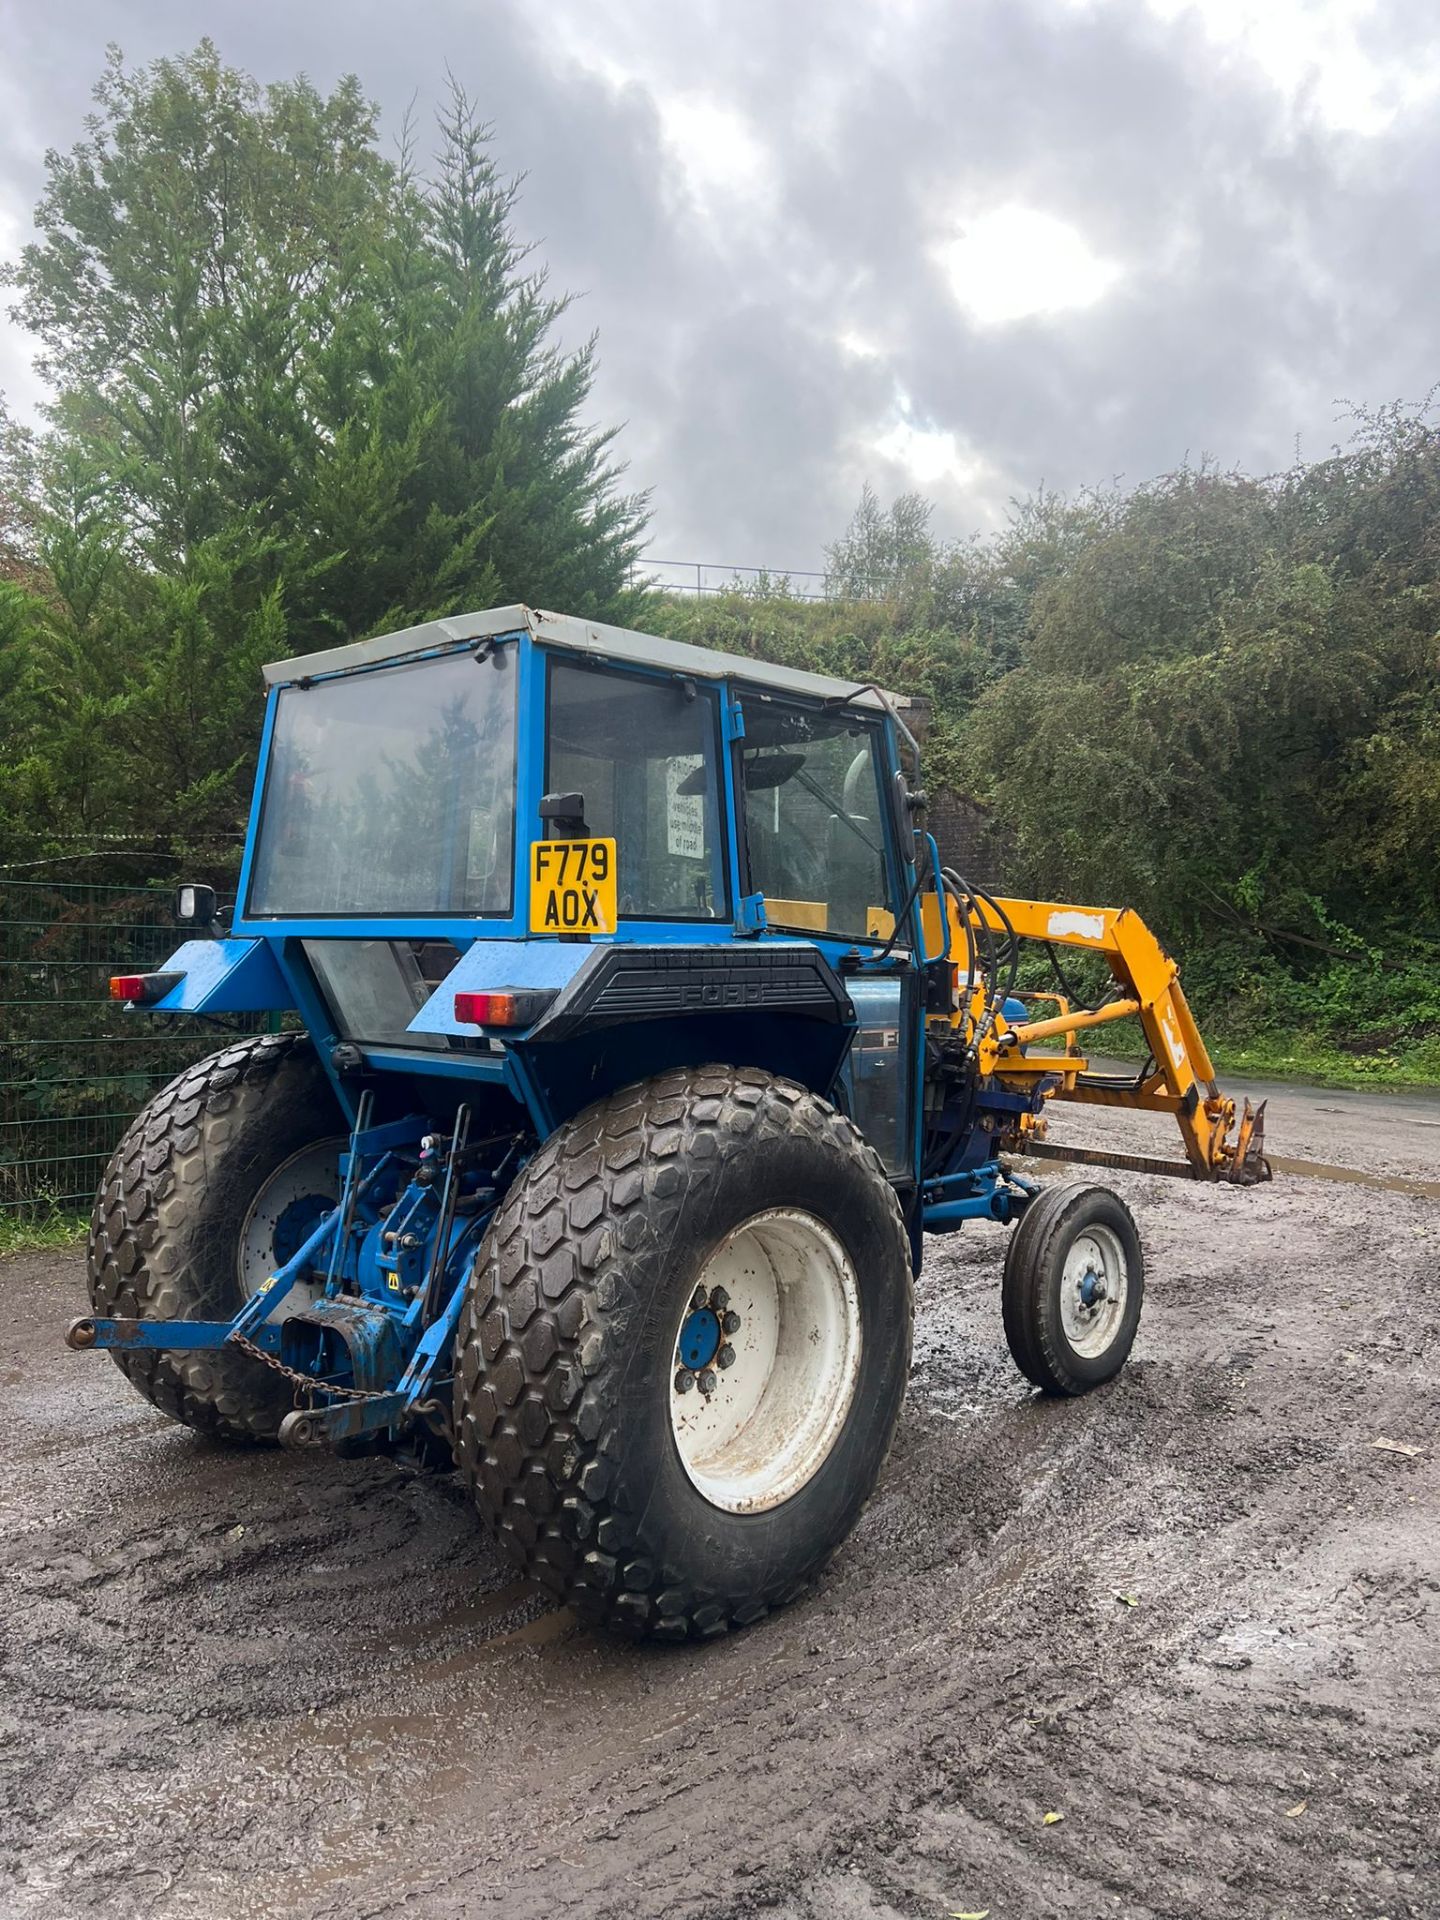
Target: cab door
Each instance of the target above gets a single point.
(818, 845)
(810, 782)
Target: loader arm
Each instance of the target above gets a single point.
(1220, 1144)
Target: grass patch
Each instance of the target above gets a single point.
(1274, 1053)
(40, 1233)
(1342, 1025)
(1310, 1057)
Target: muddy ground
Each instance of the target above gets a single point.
(1197, 1615)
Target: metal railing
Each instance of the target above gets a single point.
(701, 577)
(75, 1069)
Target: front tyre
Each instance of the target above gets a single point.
(683, 1354)
(1074, 1285)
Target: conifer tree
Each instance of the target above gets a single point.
(303, 392)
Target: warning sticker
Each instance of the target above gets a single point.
(684, 808)
(572, 886)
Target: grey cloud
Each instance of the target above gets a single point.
(1270, 265)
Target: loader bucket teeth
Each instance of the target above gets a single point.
(1248, 1166)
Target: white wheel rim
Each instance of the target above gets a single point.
(774, 1413)
(312, 1173)
(1093, 1290)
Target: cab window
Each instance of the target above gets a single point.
(814, 819)
(644, 754)
(390, 793)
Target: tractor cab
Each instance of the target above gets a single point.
(404, 780)
(497, 835)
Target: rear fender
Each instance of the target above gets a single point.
(622, 1013)
(224, 976)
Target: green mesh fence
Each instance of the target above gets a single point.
(74, 1068)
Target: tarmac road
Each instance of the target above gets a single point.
(1197, 1615)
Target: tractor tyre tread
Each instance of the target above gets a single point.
(541, 1344)
(146, 1259)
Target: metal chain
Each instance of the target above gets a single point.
(303, 1382)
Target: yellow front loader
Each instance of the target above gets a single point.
(1019, 1053)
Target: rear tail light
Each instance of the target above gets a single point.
(515, 1007)
(142, 989)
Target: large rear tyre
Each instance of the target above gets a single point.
(683, 1354)
(1074, 1285)
(219, 1180)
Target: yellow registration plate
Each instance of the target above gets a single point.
(572, 886)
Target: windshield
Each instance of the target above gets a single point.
(391, 792)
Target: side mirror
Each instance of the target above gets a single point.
(194, 906)
(903, 804)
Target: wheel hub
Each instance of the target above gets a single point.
(297, 1221)
(767, 1356)
(1093, 1290)
(704, 1340)
(283, 1215)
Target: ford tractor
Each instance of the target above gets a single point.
(628, 1036)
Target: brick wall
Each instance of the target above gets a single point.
(969, 837)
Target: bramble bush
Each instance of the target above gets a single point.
(1214, 698)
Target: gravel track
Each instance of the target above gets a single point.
(253, 1686)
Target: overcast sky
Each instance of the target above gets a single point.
(968, 246)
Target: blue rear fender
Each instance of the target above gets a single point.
(224, 976)
(623, 1011)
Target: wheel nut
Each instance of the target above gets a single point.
(726, 1356)
(684, 1380)
(719, 1299)
(697, 1299)
(707, 1382)
(731, 1322)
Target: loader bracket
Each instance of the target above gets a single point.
(1248, 1166)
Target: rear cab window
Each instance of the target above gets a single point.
(390, 794)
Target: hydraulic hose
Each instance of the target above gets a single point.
(969, 900)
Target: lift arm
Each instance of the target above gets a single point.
(1219, 1144)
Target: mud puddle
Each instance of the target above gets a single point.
(1351, 1176)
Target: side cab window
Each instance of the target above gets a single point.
(815, 819)
(645, 755)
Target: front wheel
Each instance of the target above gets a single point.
(1073, 1288)
(683, 1355)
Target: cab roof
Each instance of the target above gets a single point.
(588, 637)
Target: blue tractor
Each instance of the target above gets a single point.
(634, 1035)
